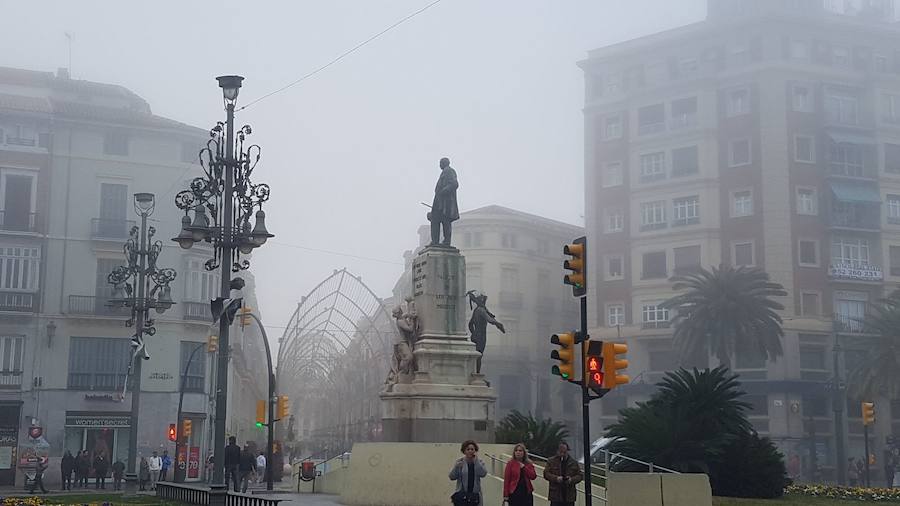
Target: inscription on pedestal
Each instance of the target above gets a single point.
(419, 277)
(439, 292)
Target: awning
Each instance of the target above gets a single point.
(851, 138)
(846, 191)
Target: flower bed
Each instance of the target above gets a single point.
(847, 493)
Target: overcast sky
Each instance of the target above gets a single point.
(350, 153)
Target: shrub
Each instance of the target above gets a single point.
(750, 467)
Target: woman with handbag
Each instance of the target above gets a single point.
(517, 477)
(468, 472)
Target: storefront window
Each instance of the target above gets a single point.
(106, 434)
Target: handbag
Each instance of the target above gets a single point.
(463, 498)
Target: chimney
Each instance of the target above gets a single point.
(62, 73)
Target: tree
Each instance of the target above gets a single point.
(879, 371)
(727, 310)
(541, 437)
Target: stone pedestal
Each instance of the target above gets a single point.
(446, 400)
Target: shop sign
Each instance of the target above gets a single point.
(862, 272)
(9, 436)
(98, 421)
(194, 462)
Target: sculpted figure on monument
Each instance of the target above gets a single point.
(478, 323)
(403, 361)
(444, 209)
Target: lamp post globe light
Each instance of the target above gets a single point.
(224, 200)
(140, 285)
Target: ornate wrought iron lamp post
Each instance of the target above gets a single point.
(223, 201)
(142, 286)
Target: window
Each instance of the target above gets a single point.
(653, 215)
(799, 50)
(509, 391)
(842, 109)
(846, 159)
(807, 201)
(809, 253)
(804, 150)
(615, 315)
(651, 119)
(98, 363)
(113, 206)
(509, 279)
(612, 127)
(654, 316)
(850, 309)
(809, 304)
(739, 152)
(476, 239)
(743, 253)
(684, 161)
(200, 285)
(653, 167)
(840, 56)
(615, 267)
(12, 349)
(686, 258)
(738, 102)
(684, 112)
(881, 63)
(893, 208)
(750, 359)
(612, 174)
(662, 358)
(19, 268)
(615, 220)
(895, 260)
(892, 158)
(195, 374)
(891, 109)
(815, 406)
(812, 358)
(116, 143)
(686, 211)
(654, 265)
(509, 241)
(17, 204)
(613, 83)
(801, 98)
(741, 203)
(474, 277)
(850, 251)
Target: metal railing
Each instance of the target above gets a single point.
(16, 221)
(102, 228)
(11, 379)
(198, 494)
(198, 311)
(96, 306)
(18, 301)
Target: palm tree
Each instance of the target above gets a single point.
(879, 371)
(725, 311)
(539, 436)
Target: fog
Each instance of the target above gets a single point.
(352, 151)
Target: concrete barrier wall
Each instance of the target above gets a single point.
(653, 489)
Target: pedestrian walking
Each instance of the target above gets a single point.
(852, 473)
(166, 464)
(232, 464)
(562, 472)
(66, 468)
(210, 465)
(143, 474)
(888, 468)
(101, 468)
(39, 476)
(517, 477)
(118, 470)
(467, 472)
(248, 463)
(82, 469)
(155, 466)
(261, 467)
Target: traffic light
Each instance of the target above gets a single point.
(578, 265)
(282, 407)
(868, 413)
(245, 317)
(260, 413)
(593, 364)
(186, 428)
(612, 363)
(173, 432)
(212, 343)
(565, 354)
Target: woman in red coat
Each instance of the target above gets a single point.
(517, 487)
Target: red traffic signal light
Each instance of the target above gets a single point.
(593, 364)
(173, 432)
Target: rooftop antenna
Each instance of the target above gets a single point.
(69, 38)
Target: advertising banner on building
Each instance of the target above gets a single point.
(194, 462)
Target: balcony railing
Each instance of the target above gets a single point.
(855, 271)
(18, 301)
(97, 381)
(10, 379)
(199, 311)
(94, 306)
(683, 121)
(651, 128)
(855, 220)
(102, 228)
(844, 323)
(21, 141)
(656, 325)
(16, 221)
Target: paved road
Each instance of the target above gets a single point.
(308, 499)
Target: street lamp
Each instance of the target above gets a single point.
(142, 286)
(223, 201)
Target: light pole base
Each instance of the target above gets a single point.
(217, 495)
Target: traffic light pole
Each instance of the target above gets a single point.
(866, 438)
(270, 438)
(179, 473)
(585, 406)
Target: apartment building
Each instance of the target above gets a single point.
(766, 135)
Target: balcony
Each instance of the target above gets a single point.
(855, 272)
(847, 324)
(656, 325)
(94, 306)
(652, 128)
(24, 302)
(21, 141)
(16, 221)
(97, 381)
(868, 219)
(197, 311)
(510, 300)
(102, 228)
(10, 379)
(682, 121)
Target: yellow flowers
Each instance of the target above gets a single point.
(849, 493)
(23, 501)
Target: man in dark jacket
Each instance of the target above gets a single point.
(66, 467)
(232, 463)
(563, 473)
(248, 463)
(82, 469)
(118, 469)
(101, 467)
(444, 208)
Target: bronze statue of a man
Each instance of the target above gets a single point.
(481, 316)
(444, 209)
